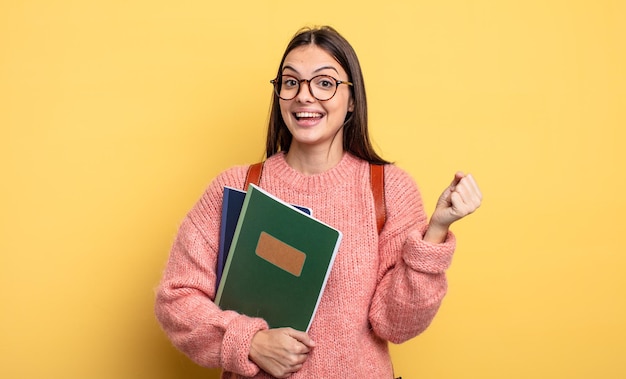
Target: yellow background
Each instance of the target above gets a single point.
(115, 115)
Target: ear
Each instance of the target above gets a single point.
(351, 105)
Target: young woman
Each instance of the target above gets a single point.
(382, 287)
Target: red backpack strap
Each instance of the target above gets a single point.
(377, 181)
(254, 175)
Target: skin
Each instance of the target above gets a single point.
(317, 143)
(317, 146)
(280, 352)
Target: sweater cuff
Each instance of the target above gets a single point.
(236, 345)
(428, 257)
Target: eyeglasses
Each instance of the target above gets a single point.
(322, 87)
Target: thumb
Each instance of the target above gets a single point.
(302, 337)
(457, 178)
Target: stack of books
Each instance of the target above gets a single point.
(274, 258)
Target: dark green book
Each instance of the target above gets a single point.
(278, 262)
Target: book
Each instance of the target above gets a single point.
(278, 262)
(231, 209)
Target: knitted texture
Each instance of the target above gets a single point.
(385, 287)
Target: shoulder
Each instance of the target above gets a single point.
(232, 177)
(211, 198)
(401, 191)
(397, 178)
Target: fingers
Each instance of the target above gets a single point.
(473, 186)
(301, 337)
(457, 178)
(466, 196)
(280, 352)
(299, 350)
(458, 200)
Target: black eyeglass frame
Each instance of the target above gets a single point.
(276, 83)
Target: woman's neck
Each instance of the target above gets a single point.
(313, 161)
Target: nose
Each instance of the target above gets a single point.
(305, 96)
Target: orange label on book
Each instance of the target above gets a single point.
(280, 254)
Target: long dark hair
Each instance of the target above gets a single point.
(355, 132)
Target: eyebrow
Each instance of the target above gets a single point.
(287, 67)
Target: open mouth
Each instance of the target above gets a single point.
(308, 116)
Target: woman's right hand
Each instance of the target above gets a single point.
(280, 352)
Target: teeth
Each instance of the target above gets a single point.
(308, 115)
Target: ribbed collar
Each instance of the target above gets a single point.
(344, 172)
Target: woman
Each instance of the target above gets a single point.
(382, 287)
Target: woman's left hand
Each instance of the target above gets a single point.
(461, 198)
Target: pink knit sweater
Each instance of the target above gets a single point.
(381, 288)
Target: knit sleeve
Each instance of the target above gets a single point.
(411, 276)
(184, 300)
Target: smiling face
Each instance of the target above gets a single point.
(314, 123)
